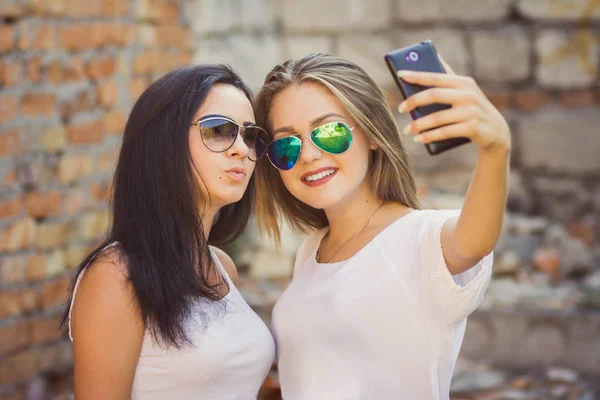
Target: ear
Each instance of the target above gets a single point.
(373, 146)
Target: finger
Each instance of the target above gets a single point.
(447, 66)
(440, 118)
(436, 79)
(464, 129)
(436, 95)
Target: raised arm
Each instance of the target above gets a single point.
(467, 238)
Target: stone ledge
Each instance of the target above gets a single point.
(532, 339)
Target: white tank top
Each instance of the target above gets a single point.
(229, 359)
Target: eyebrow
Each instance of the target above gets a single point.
(314, 122)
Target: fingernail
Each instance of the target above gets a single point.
(406, 129)
(402, 73)
(417, 139)
(402, 107)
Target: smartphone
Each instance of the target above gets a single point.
(421, 57)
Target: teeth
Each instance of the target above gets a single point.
(320, 175)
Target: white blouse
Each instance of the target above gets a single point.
(388, 323)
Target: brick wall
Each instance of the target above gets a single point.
(69, 74)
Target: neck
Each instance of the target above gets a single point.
(349, 217)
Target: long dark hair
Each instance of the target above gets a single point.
(156, 204)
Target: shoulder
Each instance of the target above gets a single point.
(227, 263)
(105, 297)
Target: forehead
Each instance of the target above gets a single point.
(299, 104)
(227, 100)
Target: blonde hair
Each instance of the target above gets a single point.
(389, 172)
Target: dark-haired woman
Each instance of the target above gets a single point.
(154, 312)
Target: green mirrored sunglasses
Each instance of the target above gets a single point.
(331, 137)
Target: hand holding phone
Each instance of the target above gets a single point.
(421, 57)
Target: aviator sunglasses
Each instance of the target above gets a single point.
(332, 137)
(219, 133)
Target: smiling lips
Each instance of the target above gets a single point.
(319, 176)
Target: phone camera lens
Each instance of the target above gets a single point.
(413, 56)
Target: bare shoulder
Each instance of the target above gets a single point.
(107, 330)
(227, 263)
(105, 295)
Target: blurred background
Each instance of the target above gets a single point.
(70, 70)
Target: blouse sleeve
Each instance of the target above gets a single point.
(452, 297)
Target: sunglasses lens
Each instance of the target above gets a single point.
(218, 134)
(256, 140)
(284, 152)
(333, 137)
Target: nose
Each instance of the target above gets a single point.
(239, 147)
(310, 152)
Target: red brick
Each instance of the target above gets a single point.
(137, 87)
(501, 100)
(36, 35)
(99, 68)
(14, 10)
(10, 208)
(10, 74)
(10, 177)
(40, 266)
(76, 201)
(83, 101)
(9, 143)
(12, 269)
(10, 303)
(81, 8)
(50, 235)
(101, 192)
(7, 38)
(58, 72)
(48, 8)
(147, 62)
(576, 98)
(54, 293)
(157, 10)
(14, 336)
(115, 8)
(548, 262)
(45, 329)
(29, 299)
(36, 267)
(531, 99)
(18, 368)
(78, 36)
(173, 35)
(584, 231)
(85, 133)
(18, 236)
(15, 302)
(36, 104)
(8, 108)
(108, 93)
(114, 122)
(115, 33)
(33, 69)
(107, 161)
(41, 204)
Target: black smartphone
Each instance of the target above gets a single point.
(421, 57)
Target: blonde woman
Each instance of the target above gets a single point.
(381, 290)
